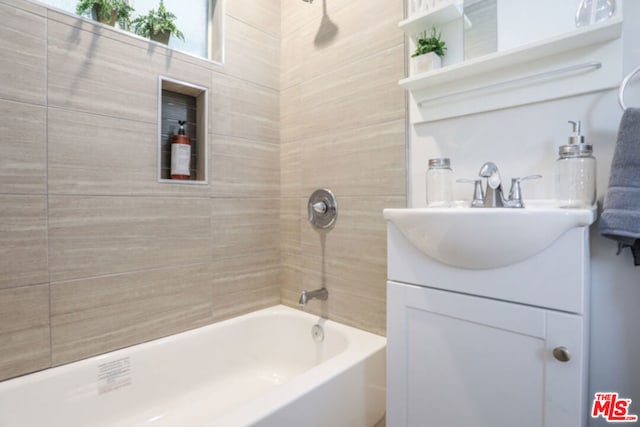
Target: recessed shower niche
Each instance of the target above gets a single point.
(182, 132)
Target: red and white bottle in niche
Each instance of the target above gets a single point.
(181, 154)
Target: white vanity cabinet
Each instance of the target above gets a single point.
(460, 360)
(488, 347)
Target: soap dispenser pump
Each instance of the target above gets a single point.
(575, 184)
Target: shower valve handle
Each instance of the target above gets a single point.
(320, 207)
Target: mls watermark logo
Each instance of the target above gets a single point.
(612, 408)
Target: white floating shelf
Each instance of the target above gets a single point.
(443, 13)
(581, 37)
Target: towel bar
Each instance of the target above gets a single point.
(623, 86)
(531, 77)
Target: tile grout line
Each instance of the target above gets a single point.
(345, 65)
(46, 174)
(346, 130)
(161, 196)
(255, 27)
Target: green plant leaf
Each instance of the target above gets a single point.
(432, 43)
(120, 8)
(155, 22)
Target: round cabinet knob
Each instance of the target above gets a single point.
(562, 354)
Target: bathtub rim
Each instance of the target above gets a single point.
(360, 345)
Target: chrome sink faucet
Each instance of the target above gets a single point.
(321, 294)
(494, 196)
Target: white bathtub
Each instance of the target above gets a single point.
(262, 369)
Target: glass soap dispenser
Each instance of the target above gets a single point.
(575, 184)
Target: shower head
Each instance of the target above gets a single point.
(308, 1)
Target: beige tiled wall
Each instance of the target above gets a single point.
(24, 275)
(24, 330)
(343, 128)
(96, 255)
(23, 46)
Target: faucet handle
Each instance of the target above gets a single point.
(515, 194)
(528, 177)
(478, 192)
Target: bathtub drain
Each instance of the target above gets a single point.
(317, 333)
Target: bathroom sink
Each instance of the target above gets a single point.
(483, 238)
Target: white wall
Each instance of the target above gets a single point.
(523, 141)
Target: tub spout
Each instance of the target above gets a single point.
(305, 296)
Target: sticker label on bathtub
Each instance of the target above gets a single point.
(113, 375)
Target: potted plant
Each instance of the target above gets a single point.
(158, 25)
(106, 11)
(429, 52)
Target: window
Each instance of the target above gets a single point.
(199, 20)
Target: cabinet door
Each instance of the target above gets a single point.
(460, 360)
